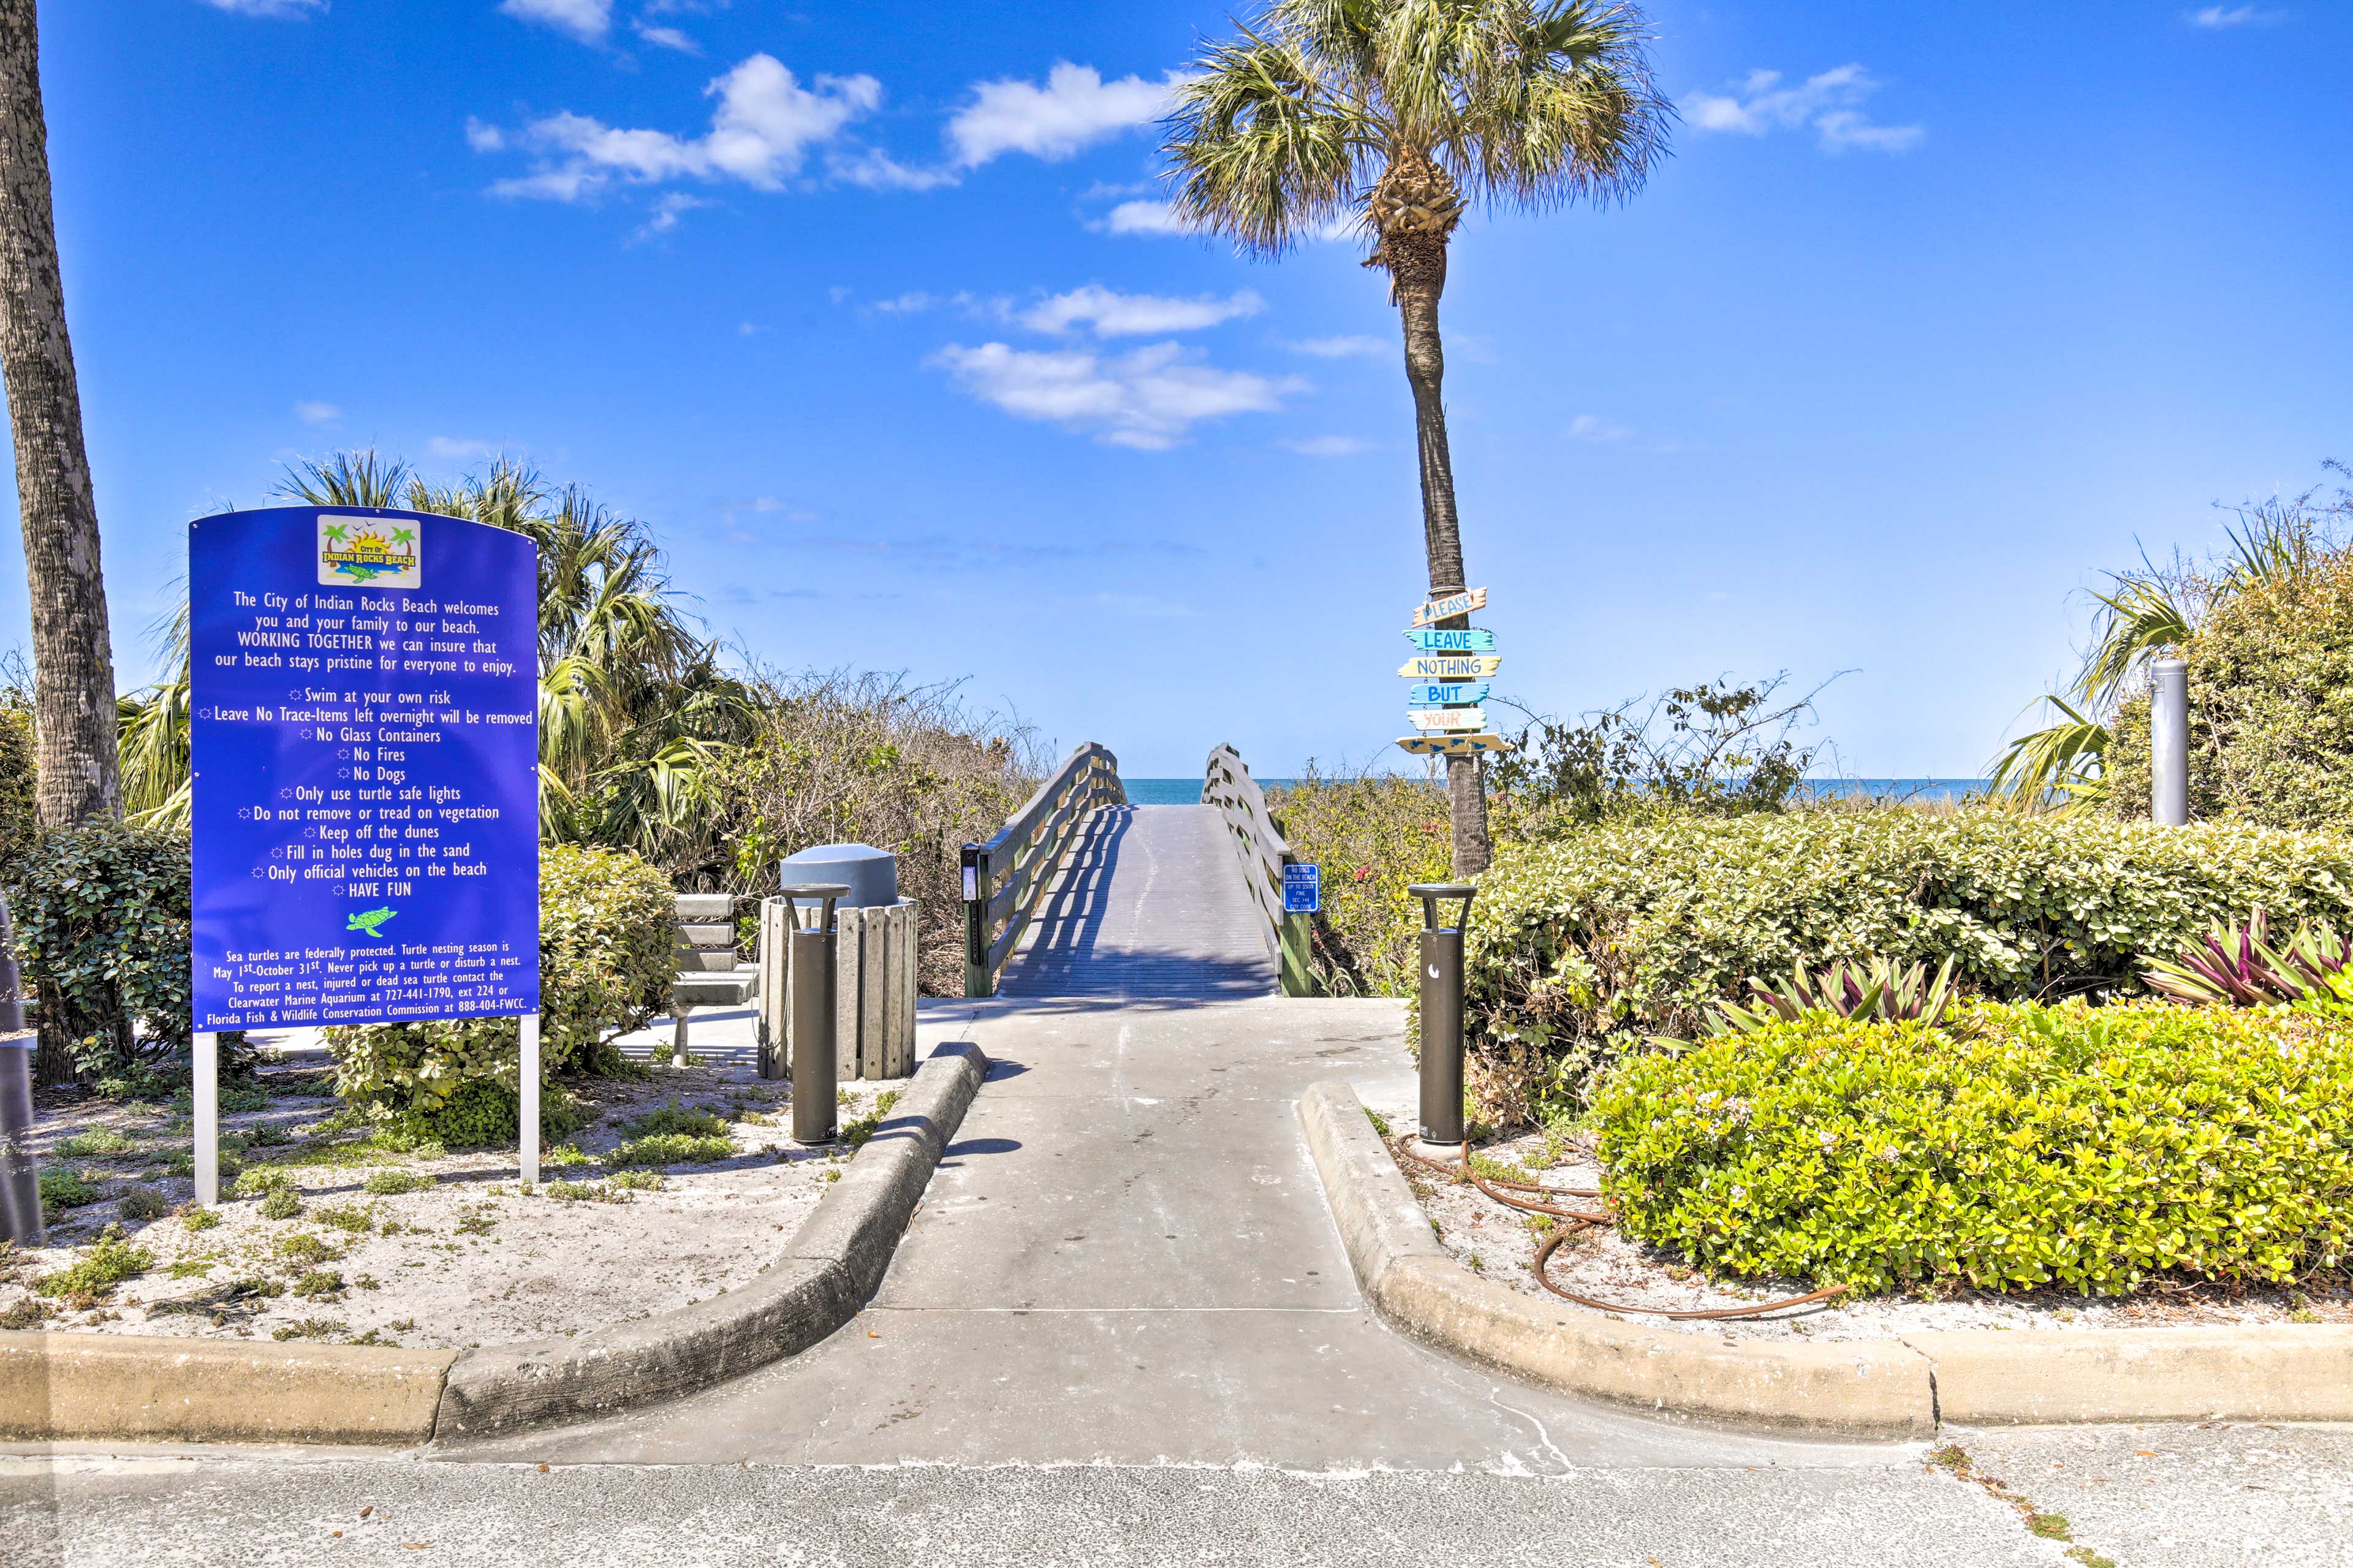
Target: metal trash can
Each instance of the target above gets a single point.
(1442, 1015)
(872, 875)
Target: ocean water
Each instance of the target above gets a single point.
(1187, 791)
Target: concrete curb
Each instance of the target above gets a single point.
(827, 1271)
(57, 1387)
(63, 1388)
(1889, 1388)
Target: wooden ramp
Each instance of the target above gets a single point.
(1149, 904)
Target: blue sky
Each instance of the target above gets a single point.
(1936, 312)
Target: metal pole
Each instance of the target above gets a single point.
(815, 1115)
(20, 1182)
(2169, 744)
(531, 1098)
(1442, 1017)
(203, 1068)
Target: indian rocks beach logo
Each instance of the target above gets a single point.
(369, 552)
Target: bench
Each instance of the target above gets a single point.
(708, 973)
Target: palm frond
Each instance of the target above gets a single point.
(358, 478)
(1261, 151)
(2141, 619)
(2055, 768)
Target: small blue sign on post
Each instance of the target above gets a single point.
(1303, 889)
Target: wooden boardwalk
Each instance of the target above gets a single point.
(1149, 905)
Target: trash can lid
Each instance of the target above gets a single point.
(836, 852)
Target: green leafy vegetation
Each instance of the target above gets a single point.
(635, 1181)
(260, 1182)
(98, 1140)
(62, 1187)
(1584, 945)
(676, 1118)
(2016, 1146)
(671, 1149)
(141, 1202)
(606, 934)
(200, 1219)
(105, 1264)
(392, 1181)
(349, 1217)
(855, 1134)
(282, 1203)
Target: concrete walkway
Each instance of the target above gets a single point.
(1127, 1258)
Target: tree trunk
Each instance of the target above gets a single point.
(73, 661)
(1417, 264)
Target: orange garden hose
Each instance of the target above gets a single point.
(1504, 1192)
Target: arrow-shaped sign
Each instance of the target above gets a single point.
(1436, 696)
(1453, 605)
(1470, 668)
(1447, 718)
(1453, 745)
(1432, 641)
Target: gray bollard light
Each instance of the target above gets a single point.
(20, 1185)
(1442, 1016)
(2168, 742)
(815, 1120)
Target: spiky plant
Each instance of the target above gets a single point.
(1400, 116)
(1877, 990)
(2239, 967)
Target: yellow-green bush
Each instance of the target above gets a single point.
(606, 935)
(2015, 1146)
(1580, 945)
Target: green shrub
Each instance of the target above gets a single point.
(18, 824)
(98, 1140)
(670, 1149)
(105, 1264)
(607, 930)
(635, 1181)
(260, 1182)
(1374, 836)
(283, 1203)
(348, 1217)
(480, 1114)
(141, 1202)
(62, 1187)
(855, 1134)
(1580, 945)
(200, 1219)
(102, 917)
(585, 1193)
(320, 1285)
(2016, 1146)
(305, 1246)
(676, 1118)
(393, 1183)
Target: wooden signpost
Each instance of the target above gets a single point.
(1457, 691)
(1453, 605)
(1441, 667)
(1452, 668)
(1447, 718)
(1429, 641)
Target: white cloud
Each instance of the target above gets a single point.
(1351, 346)
(587, 20)
(1074, 109)
(1829, 102)
(484, 138)
(878, 171)
(456, 448)
(760, 133)
(2217, 16)
(1599, 431)
(283, 10)
(1140, 218)
(666, 213)
(1115, 315)
(1327, 446)
(1148, 399)
(668, 38)
(319, 413)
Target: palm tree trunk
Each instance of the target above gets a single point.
(1417, 264)
(73, 661)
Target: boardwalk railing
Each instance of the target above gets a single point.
(1005, 879)
(1228, 785)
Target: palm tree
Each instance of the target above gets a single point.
(1399, 114)
(73, 661)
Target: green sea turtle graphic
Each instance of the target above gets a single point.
(369, 921)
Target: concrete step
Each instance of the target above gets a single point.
(705, 906)
(707, 988)
(707, 933)
(705, 960)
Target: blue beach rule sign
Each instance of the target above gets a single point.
(1303, 889)
(364, 753)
